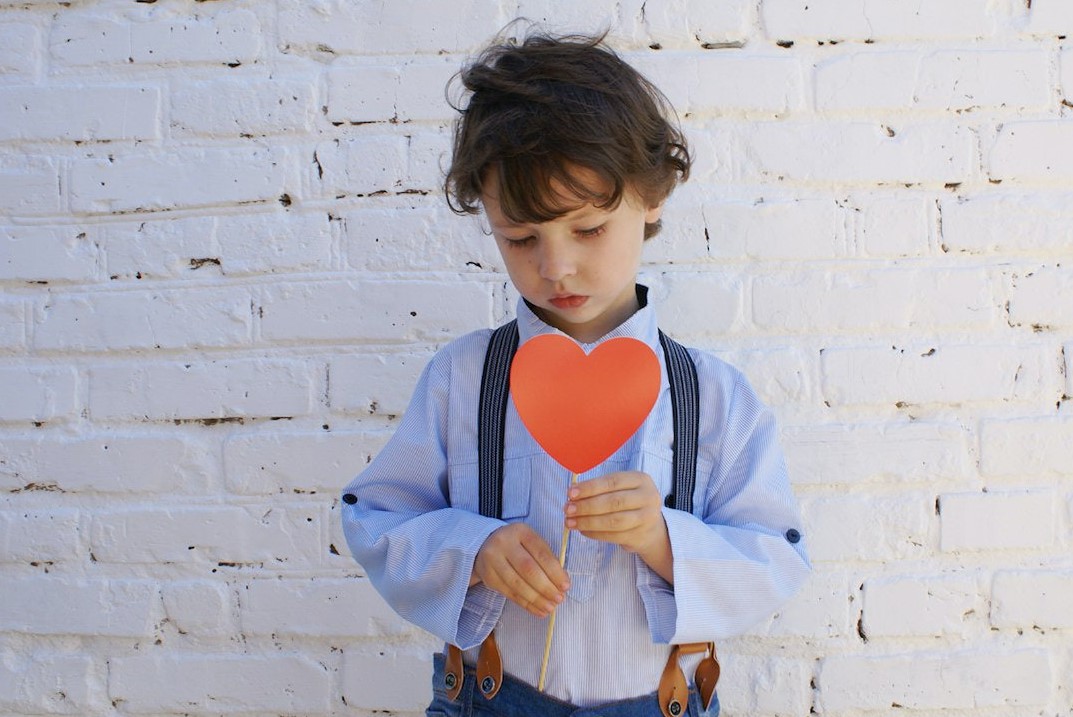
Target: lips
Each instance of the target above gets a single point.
(570, 301)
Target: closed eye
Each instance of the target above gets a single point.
(520, 241)
(593, 232)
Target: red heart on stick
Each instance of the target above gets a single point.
(581, 408)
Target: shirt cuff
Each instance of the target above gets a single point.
(656, 593)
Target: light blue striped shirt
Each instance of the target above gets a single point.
(416, 529)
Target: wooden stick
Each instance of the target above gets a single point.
(551, 622)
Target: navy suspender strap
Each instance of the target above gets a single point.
(492, 418)
(685, 405)
(495, 392)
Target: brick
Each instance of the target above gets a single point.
(181, 682)
(79, 39)
(1050, 17)
(876, 20)
(876, 452)
(681, 239)
(1042, 298)
(969, 680)
(278, 537)
(387, 679)
(364, 91)
(12, 325)
(858, 152)
(79, 113)
(59, 605)
(32, 187)
(1067, 354)
(1032, 151)
(49, 254)
(20, 48)
(228, 37)
(1039, 223)
(200, 607)
(802, 229)
(393, 88)
(232, 244)
(379, 383)
(192, 318)
(39, 682)
(930, 374)
(1008, 520)
(187, 177)
(345, 608)
(1030, 599)
(243, 107)
(718, 298)
(417, 238)
(203, 390)
(875, 300)
(724, 85)
(340, 27)
(296, 462)
(893, 228)
(780, 376)
(1065, 70)
(1026, 447)
(362, 166)
(429, 153)
(398, 310)
(37, 394)
(822, 608)
(750, 684)
(868, 528)
(946, 80)
(686, 23)
(273, 242)
(39, 536)
(109, 463)
(167, 248)
(921, 606)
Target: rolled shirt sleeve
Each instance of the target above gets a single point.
(741, 555)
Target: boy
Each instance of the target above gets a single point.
(571, 155)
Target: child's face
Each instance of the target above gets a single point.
(579, 269)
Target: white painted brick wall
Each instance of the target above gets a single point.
(224, 261)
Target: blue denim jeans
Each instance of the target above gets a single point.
(517, 699)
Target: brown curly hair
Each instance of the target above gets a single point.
(540, 109)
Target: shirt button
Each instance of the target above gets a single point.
(350, 498)
(793, 535)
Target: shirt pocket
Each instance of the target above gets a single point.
(464, 485)
(588, 560)
(661, 468)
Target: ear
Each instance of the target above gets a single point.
(653, 214)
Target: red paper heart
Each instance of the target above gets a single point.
(581, 408)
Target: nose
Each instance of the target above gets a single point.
(557, 260)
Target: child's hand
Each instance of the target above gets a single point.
(626, 509)
(517, 563)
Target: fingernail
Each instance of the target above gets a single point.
(571, 523)
(574, 492)
(571, 508)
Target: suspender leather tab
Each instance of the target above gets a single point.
(453, 672)
(673, 691)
